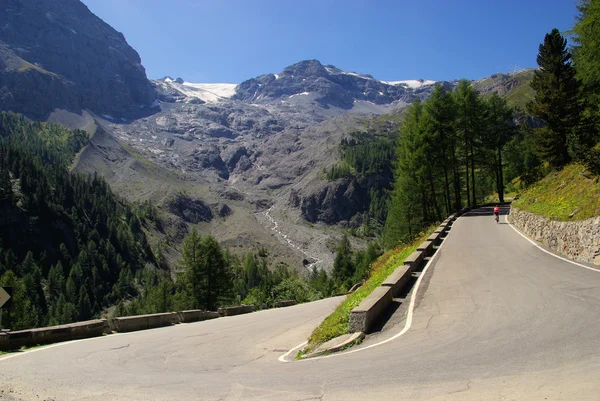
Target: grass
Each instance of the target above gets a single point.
(562, 193)
(336, 324)
(520, 95)
(28, 66)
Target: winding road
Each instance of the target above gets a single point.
(496, 318)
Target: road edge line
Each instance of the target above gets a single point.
(409, 316)
(546, 251)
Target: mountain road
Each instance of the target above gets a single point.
(495, 319)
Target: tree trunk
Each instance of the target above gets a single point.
(434, 197)
(467, 171)
(500, 176)
(473, 172)
(446, 183)
(457, 198)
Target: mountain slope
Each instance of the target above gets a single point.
(57, 54)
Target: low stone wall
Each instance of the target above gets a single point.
(577, 240)
(143, 322)
(49, 335)
(190, 316)
(236, 310)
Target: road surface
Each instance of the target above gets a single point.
(496, 319)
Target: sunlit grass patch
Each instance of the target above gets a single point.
(336, 324)
(570, 194)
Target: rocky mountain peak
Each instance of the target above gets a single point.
(305, 69)
(327, 86)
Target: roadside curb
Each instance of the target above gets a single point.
(364, 316)
(355, 337)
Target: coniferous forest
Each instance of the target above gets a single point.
(70, 248)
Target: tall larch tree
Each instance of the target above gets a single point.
(556, 101)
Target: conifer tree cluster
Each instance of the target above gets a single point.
(69, 247)
(449, 155)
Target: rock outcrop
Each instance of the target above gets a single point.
(334, 202)
(190, 209)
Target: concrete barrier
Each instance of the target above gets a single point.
(398, 279)
(370, 309)
(4, 342)
(143, 322)
(439, 230)
(49, 335)
(190, 316)
(236, 310)
(426, 247)
(414, 259)
(434, 238)
(283, 304)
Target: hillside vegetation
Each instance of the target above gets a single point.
(336, 324)
(569, 194)
(69, 246)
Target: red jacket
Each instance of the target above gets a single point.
(496, 210)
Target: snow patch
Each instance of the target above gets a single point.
(411, 83)
(106, 116)
(300, 94)
(210, 93)
(357, 75)
(332, 71)
(276, 76)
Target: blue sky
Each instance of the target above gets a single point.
(234, 40)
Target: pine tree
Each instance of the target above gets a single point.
(441, 109)
(191, 262)
(586, 52)
(499, 132)
(56, 281)
(218, 279)
(84, 309)
(469, 123)
(343, 266)
(556, 100)
(586, 60)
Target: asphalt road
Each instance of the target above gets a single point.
(496, 319)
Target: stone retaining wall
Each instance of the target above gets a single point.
(577, 240)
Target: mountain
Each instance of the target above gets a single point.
(327, 85)
(245, 162)
(513, 86)
(58, 55)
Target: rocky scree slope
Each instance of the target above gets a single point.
(259, 148)
(58, 55)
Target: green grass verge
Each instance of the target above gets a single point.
(560, 193)
(336, 324)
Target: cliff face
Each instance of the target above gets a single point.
(57, 54)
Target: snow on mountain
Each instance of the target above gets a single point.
(336, 71)
(411, 83)
(209, 93)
